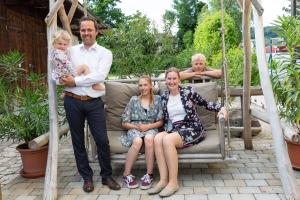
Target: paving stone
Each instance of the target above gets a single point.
(108, 197)
(130, 197)
(148, 197)
(266, 197)
(219, 196)
(242, 176)
(222, 176)
(271, 189)
(274, 182)
(246, 190)
(87, 197)
(67, 197)
(226, 190)
(256, 183)
(238, 183)
(26, 197)
(242, 197)
(185, 190)
(213, 183)
(205, 190)
(195, 197)
(193, 183)
(262, 176)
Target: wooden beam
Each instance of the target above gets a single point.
(247, 135)
(238, 91)
(50, 186)
(72, 10)
(44, 139)
(289, 132)
(286, 173)
(64, 19)
(257, 5)
(240, 2)
(53, 11)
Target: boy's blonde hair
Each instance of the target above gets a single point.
(199, 56)
(61, 34)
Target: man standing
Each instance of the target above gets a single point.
(82, 102)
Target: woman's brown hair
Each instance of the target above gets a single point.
(172, 69)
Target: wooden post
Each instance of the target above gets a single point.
(286, 173)
(50, 186)
(247, 75)
(72, 10)
(64, 19)
(53, 12)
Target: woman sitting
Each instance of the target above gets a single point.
(183, 128)
(142, 117)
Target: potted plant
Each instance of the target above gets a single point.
(285, 76)
(24, 117)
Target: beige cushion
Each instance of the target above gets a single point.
(211, 144)
(209, 92)
(115, 143)
(117, 96)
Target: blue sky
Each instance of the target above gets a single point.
(154, 9)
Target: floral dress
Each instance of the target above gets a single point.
(190, 128)
(134, 113)
(61, 64)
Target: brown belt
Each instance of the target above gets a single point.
(78, 97)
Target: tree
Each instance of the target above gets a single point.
(106, 10)
(207, 38)
(138, 48)
(231, 7)
(186, 13)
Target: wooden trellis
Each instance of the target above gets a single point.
(283, 163)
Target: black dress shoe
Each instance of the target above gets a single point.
(111, 183)
(88, 186)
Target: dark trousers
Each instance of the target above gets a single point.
(93, 110)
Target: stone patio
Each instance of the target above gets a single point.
(254, 176)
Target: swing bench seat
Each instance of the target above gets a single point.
(211, 149)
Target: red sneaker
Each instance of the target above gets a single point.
(146, 181)
(130, 181)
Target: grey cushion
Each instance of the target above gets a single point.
(209, 92)
(117, 96)
(211, 144)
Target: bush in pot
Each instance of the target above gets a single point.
(285, 77)
(24, 114)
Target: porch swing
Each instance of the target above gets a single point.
(212, 149)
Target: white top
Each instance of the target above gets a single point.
(99, 60)
(175, 108)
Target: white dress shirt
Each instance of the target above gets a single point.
(99, 60)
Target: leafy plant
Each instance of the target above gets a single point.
(235, 63)
(285, 74)
(30, 119)
(11, 66)
(207, 38)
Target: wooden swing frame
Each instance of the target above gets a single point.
(283, 163)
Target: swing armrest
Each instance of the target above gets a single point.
(221, 121)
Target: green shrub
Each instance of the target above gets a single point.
(235, 66)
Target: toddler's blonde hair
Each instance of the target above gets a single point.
(61, 34)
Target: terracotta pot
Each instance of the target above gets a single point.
(34, 161)
(294, 152)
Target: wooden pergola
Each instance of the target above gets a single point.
(283, 163)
